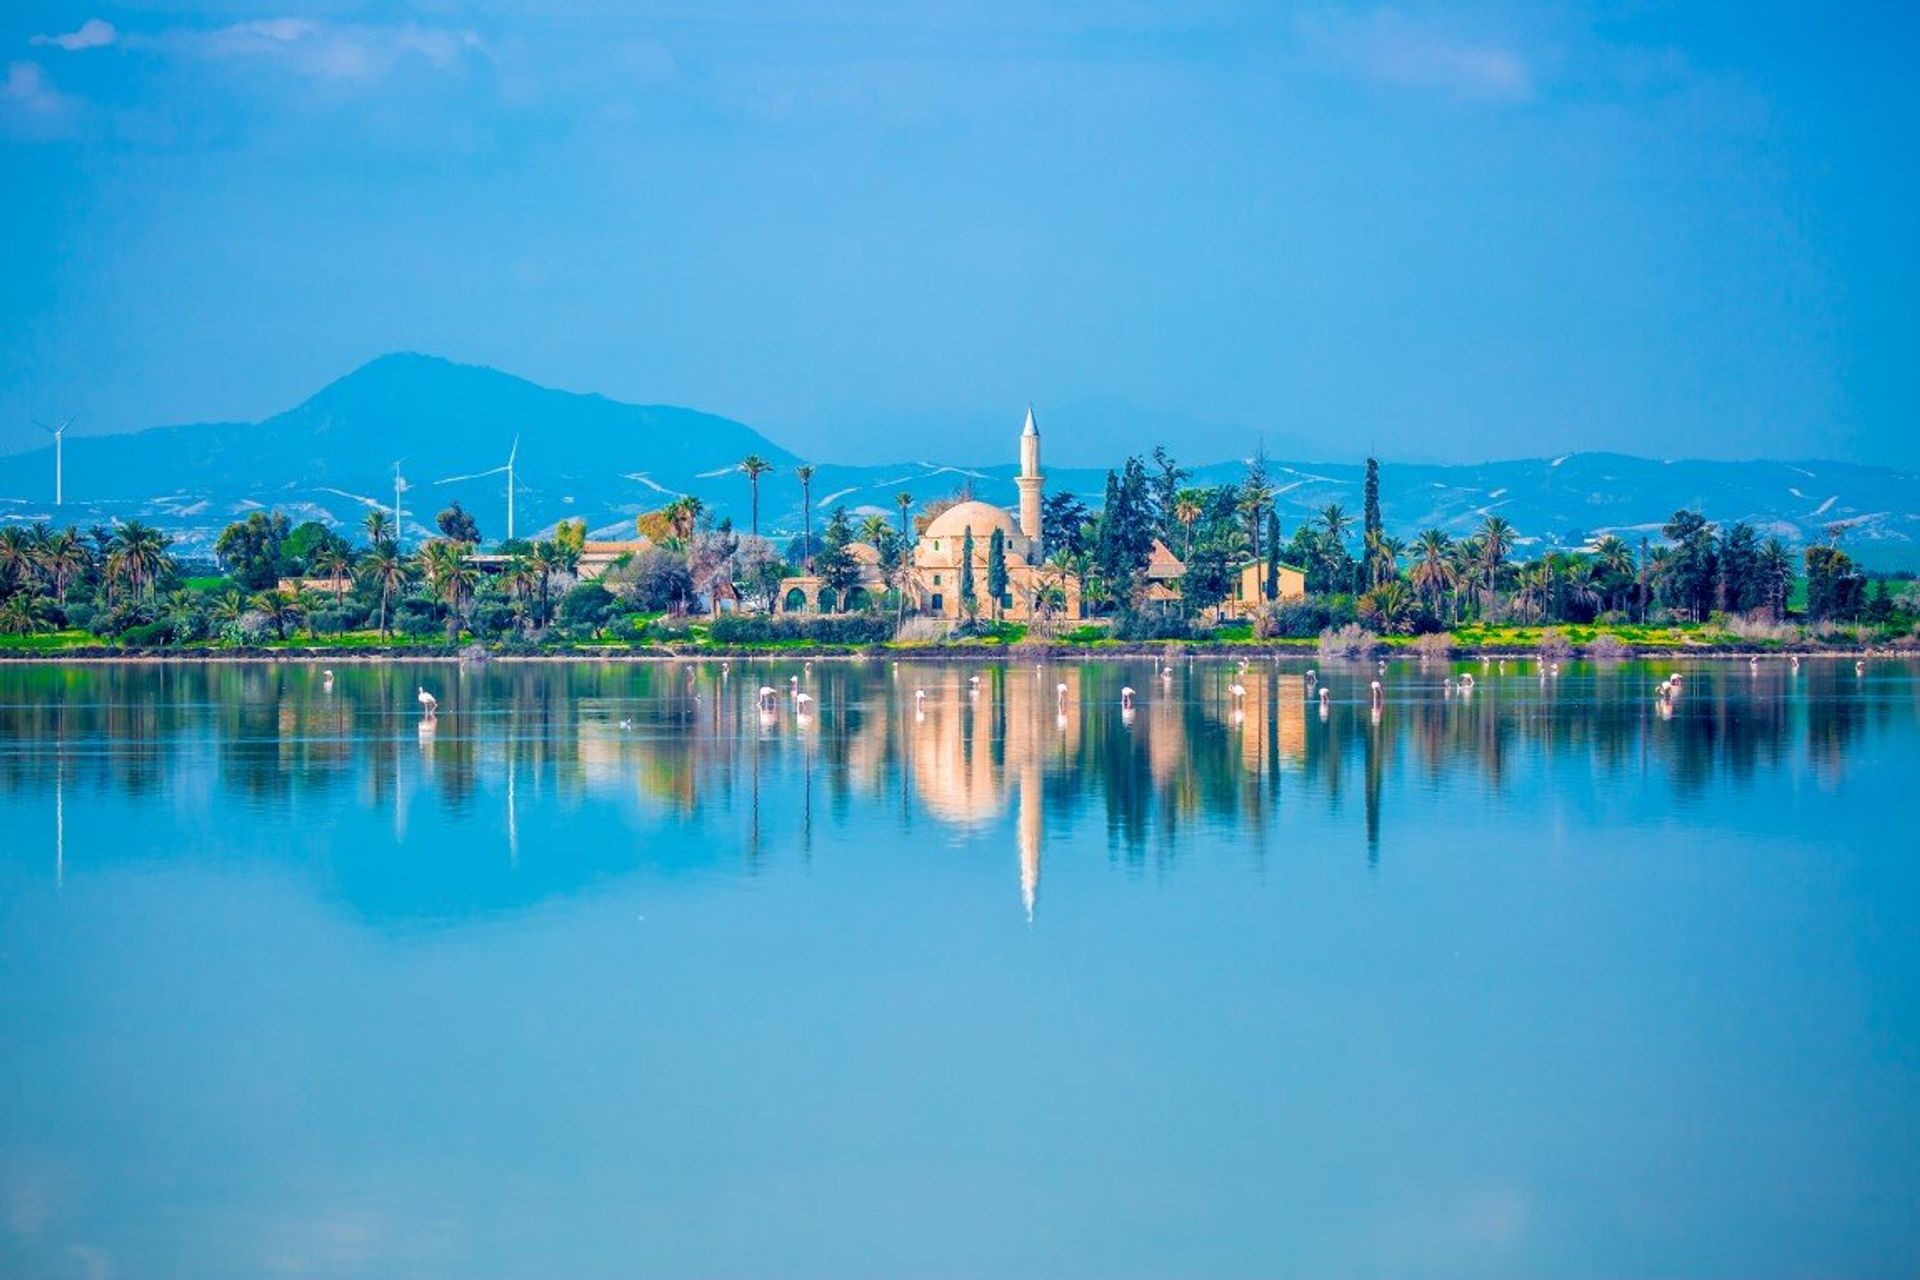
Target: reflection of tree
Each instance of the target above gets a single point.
(694, 757)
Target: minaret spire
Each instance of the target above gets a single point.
(1031, 483)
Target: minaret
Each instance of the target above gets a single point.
(1030, 483)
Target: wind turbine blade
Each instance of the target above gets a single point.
(515, 451)
(478, 475)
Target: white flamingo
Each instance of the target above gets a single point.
(766, 697)
(1379, 695)
(428, 703)
(326, 679)
(1859, 668)
(1326, 696)
(1060, 696)
(1238, 692)
(1126, 698)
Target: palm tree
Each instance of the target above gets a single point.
(1536, 586)
(1496, 541)
(230, 607)
(754, 466)
(1187, 508)
(1432, 573)
(63, 559)
(388, 572)
(874, 529)
(904, 501)
(545, 560)
(23, 613)
(521, 579)
(451, 576)
(379, 527)
(805, 472)
(16, 554)
(1613, 560)
(334, 563)
(281, 608)
(138, 556)
(1335, 520)
(683, 516)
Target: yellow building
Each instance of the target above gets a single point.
(1249, 589)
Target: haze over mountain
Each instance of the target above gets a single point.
(332, 458)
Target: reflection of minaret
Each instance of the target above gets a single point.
(1029, 827)
(1030, 482)
(59, 818)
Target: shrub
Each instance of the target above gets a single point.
(588, 605)
(739, 628)
(653, 580)
(1553, 643)
(1299, 619)
(1608, 648)
(1152, 626)
(1349, 641)
(1435, 644)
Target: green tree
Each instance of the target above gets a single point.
(250, 549)
(387, 572)
(1271, 588)
(804, 472)
(968, 605)
(997, 569)
(753, 466)
(456, 524)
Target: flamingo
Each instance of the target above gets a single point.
(766, 697)
(1859, 668)
(1238, 692)
(802, 699)
(1326, 696)
(1466, 681)
(326, 678)
(626, 724)
(1126, 697)
(428, 703)
(1379, 695)
(1060, 696)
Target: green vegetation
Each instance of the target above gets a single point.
(699, 584)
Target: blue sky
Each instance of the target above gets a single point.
(878, 230)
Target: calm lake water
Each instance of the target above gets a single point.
(607, 974)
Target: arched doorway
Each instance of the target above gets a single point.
(857, 598)
(827, 600)
(796, 601)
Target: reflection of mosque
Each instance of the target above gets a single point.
(687, 751)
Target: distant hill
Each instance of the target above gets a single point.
(331, 458)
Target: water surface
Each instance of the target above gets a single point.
(606, 972)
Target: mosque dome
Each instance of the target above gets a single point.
(982, 517)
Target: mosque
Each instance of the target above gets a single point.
(934, 580)
(933, 586)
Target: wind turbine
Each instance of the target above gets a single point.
(59, 435)
(398, 485)
(507, 470)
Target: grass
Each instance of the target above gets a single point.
(49, 641)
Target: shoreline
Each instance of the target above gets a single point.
(930, 653)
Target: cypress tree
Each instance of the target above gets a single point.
(997, 569)
(1273, 556)
(968, 605)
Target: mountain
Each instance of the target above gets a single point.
(331, 458)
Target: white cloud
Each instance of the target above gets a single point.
(93, 34)
(27, 89)
(31, 108)
(1390, 48)
(330, 51)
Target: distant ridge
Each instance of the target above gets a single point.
(331, 458)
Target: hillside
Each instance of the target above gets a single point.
(332, 458)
